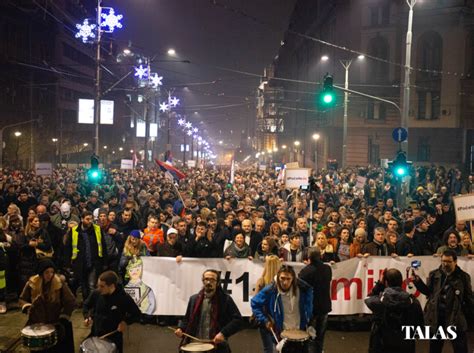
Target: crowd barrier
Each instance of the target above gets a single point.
(165, 285)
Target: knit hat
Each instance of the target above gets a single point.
(419, 221)
(136, 233)
(171, 231)
(43, 265)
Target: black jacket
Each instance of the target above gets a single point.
(229, 320)
(458, 303)
(392, 307)
(407, 246)
(107, 311)
(318, 276)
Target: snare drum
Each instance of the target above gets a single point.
(197, 347)
(38, 337)
(296, 341)
(97, 345)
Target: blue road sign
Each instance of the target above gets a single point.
(400, 134)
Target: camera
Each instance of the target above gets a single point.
(416, 264)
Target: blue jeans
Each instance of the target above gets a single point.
(320, 324)
(267, 340)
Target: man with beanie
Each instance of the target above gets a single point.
(86, 251)
(47, 299)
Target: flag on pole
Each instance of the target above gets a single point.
(169, 169)
(232, 172)
(168, 157)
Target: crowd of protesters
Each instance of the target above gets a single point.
(87, 228)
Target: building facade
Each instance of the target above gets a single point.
(441, 103)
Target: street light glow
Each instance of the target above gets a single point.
(17, 133)
(85, 144)
(120, 148)
(54, 139)
(127, 51)
(171, 52)
(284, 147)
(361, 57)
(316, 137)
(296, 143)
(324, 58)
(105, 147)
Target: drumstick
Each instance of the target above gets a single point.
(108, 334)
(274, 335)
(192, 337)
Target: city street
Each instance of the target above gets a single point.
(152, 338)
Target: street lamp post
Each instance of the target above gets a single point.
(406, 90)
(316, 137)
(17, 135)
(296, 144)
(97, 96)
(56, 151)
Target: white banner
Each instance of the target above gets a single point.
(464, 207)
(294, 178)
(172, 284)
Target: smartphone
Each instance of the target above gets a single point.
(416, 264)
(304, 187)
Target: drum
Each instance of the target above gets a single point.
(38, 337)
(296, 341)
(96, 345)
(197, 347)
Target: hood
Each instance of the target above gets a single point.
(396, 297)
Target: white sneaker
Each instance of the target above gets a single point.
(3, 308)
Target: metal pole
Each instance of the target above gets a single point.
(147, 124)
(168, 143)
(406, 90)
(97, 82)
(346, 64)
(184, 148)
(316, 156)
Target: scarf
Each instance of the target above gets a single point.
(192, 328)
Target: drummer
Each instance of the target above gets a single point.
(47, 299)
(110, 309)
(286, 304)
(211, 314)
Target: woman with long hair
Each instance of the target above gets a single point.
(270, 269)
(267, 247)
(239, 248)
(134, 247)
(325, 248)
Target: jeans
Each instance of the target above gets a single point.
(88, 282)
(267, 340)
(320, 324)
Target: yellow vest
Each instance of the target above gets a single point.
(75, 239)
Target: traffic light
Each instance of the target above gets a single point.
(400, 167)
(327, 98)
(94, 172)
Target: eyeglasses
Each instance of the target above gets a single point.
(209, 280)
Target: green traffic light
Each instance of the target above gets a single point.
(328, 98)
(400, 171)
(95, 174)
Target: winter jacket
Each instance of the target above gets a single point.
(376, 249)
(407, 245)
(285, 253)
(458, 301)
(392, 307)
(235, 252)
(318, 275)
(268, 302)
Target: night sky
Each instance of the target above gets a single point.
(210, 36)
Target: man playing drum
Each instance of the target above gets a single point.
(49, 303)
(211, 314)
(109, 309)
(285, 309)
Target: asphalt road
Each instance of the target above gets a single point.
(152, 338)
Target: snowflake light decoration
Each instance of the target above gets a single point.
(173, 101)
(164, 107)
(110, 20)
(181, 122)
(195, 130)
(189, 132)
(195, 136)
(188, 125)
(141, 72)
(86, 30)
(155, 80)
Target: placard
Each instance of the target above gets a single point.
(294, 178)
(191, 163)
(44, 168)
(360, 182)
(106, 112)
(126, 164)
(464, 207)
